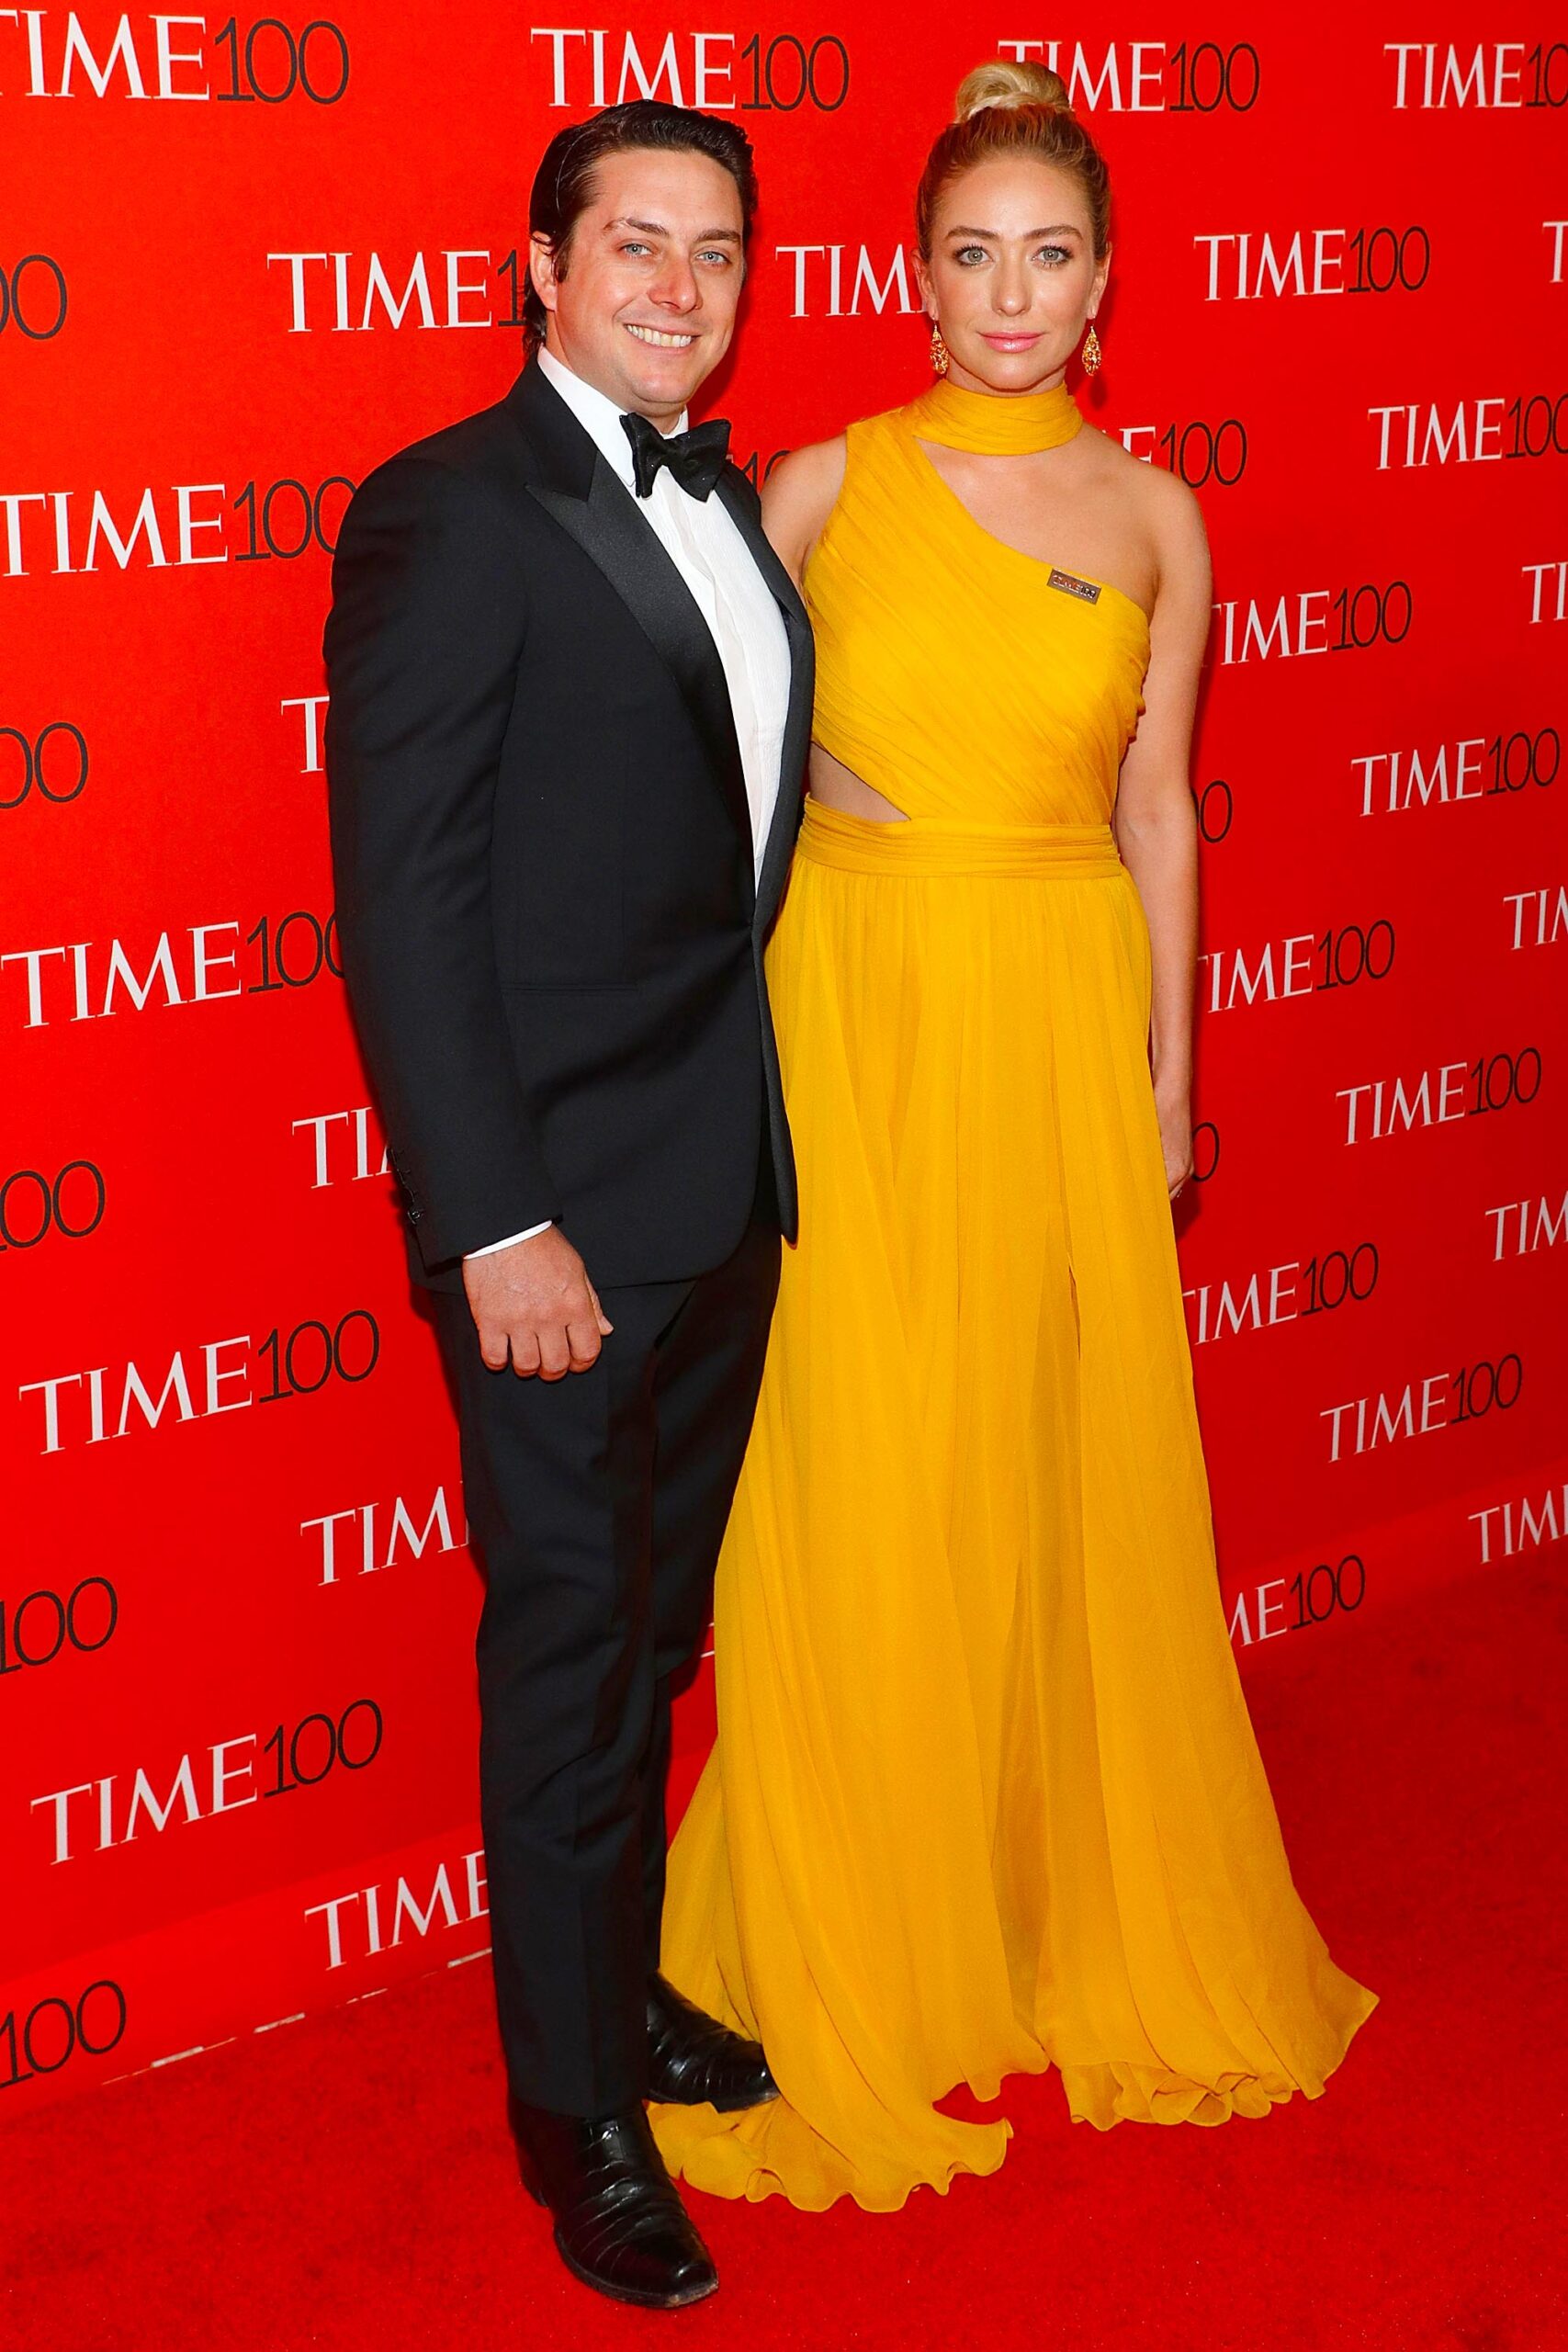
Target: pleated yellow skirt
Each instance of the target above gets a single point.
(985, 1796)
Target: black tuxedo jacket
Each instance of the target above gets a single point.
(544, 854)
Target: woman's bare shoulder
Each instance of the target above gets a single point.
(1163, 505)
(800, 493)
(810, 476)
(1165, 516)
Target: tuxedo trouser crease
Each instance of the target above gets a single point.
(598, 1504)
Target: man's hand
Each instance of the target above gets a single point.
(535, 1308)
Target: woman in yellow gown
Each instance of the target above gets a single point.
(985, 1796)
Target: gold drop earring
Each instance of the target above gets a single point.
(1091, 354)
(938, 350)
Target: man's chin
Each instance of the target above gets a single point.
(666, 376)
(666, 393)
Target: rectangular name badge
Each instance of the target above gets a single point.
(1071, 585)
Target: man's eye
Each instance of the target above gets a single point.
(715, 253)
(632, 246)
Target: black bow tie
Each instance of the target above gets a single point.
(695, 459)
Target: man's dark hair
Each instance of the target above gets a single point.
(564, 183)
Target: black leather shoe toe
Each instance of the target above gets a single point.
(693, 2060)
(620, 2224)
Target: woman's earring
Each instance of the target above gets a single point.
(1092, 352)
(938, 350)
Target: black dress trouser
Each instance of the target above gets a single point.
(598, 1503)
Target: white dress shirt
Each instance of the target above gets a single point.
(702, 542)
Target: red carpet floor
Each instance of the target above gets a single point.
(346, 2185)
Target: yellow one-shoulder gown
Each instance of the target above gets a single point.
(985, 1796)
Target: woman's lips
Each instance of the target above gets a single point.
(1010, 342)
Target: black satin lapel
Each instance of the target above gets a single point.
(792, 767)
(562, 450)
(802, 686)
(608, 528)
(741, 506)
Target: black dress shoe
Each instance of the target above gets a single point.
(693, 2060)
(620, 2224)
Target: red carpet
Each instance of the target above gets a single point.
(346, 2183)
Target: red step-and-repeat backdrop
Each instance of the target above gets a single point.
(244, 257)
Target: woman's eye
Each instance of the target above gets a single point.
(1054, 254)
(969, 254)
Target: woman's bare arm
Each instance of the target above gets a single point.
(1156, 821)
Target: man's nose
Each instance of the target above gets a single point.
(677, 289)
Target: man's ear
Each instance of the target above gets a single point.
(542, 269)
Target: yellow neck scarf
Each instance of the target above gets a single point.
(994, 425)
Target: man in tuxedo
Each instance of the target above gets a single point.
(571, 695)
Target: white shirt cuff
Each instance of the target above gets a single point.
(491, 1247)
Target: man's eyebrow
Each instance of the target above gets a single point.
(658, 229)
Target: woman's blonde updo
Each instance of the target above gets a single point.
(1004, 110)
(1006, 82)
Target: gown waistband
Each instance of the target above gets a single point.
(922, 846)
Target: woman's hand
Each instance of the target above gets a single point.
(1176, 1139)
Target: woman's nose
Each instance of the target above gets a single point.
(1011, 290)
